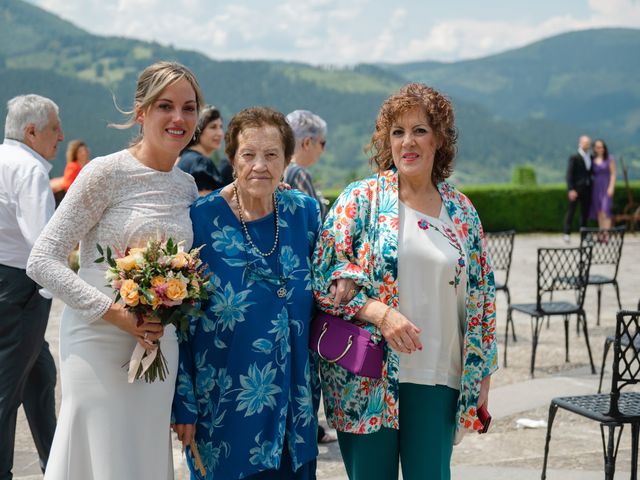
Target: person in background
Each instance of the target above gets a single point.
(403, 255)
(311, 138)
(579, 185)
(603, 168)
(196, 158)
(247, 389)
(27, 370)
(77, 157)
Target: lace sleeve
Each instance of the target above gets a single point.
(81, 210)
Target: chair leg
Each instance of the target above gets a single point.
(549, 316)
(566, 338)
(509, 319)
(615, 285)
(605, 352)
(553, 408)
(635, 431)
(610, 448)
(586, 339)
(578, 326)
(535, 334)
(506, 336)
(599, 302)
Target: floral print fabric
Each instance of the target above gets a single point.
(451, 237)
(359, 240)
(245, 373)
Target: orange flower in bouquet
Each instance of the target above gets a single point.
(160, 281)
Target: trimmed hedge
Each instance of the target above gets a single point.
(526, 209)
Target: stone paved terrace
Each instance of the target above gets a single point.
(507, 452)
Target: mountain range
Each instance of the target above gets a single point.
(524, 106)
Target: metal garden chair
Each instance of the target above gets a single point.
(607, 250)
(558, 269)
(500, 248)
(614, 409)
(607, 345)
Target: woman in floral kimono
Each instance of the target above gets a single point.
(244, 384)
(403, 253)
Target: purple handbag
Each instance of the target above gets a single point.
(339, 341)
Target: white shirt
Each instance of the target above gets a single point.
(26, 201)
(586, 157)
(432, 285)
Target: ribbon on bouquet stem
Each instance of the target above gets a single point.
(140, 356)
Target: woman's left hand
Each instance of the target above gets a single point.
(610, 192)
(342, 290)
(483, 399)
(186, 433)
(284, 186)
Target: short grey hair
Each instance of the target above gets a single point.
(27, 109)
(306, 124)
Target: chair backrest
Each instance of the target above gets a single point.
(500, 249)
(607, 245)
(563, 269)
(626, 358)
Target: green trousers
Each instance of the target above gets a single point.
(423, 445)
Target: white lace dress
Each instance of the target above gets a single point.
(107, 428)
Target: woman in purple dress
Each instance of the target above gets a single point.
(604, 182)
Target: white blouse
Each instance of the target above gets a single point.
(432, 285)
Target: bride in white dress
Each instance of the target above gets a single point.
(107, 428)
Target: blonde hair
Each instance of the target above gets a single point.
(72, 150)
(151, 83)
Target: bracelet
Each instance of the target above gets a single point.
(385, 317)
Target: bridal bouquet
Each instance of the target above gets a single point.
(160, 282)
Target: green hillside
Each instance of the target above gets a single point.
(587, 78)
(41, 53)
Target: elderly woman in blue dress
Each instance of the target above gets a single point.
(244, 386)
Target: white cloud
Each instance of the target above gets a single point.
(463, 38)
(334, 31)
(616, 12)
(385, 41)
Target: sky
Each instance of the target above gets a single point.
(334, 32)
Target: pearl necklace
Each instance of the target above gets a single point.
(246, 231)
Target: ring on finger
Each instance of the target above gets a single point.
(352, 292)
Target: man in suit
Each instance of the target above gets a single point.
(579, 185)
(27, 371)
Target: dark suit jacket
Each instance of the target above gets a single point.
(578, 177)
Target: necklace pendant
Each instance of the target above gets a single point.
(282, 292)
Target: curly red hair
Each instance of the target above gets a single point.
(439, 111)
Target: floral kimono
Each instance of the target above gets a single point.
(359, 241)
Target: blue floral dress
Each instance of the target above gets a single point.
(245, 373)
